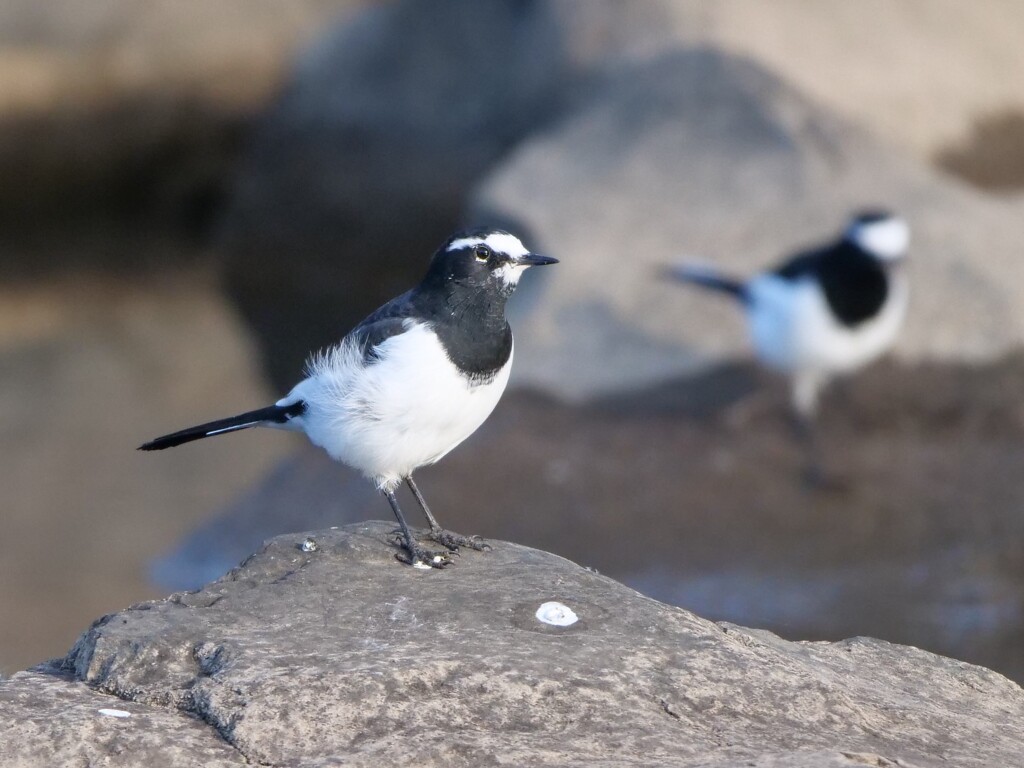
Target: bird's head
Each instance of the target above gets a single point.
(490, 260)
(880, 233)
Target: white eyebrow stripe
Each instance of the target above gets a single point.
(464, 242)
(500, 242)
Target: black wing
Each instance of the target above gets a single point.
(854, 283)
(389, 320)
(804, 263)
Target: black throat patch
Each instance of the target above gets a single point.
(470, 323)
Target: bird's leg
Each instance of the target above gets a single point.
(418, 556)
(446, 538)
(806, 389)
(813, 473)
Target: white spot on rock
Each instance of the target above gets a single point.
(556, 614)
(309, 545)
(115, 713)
(421, 565)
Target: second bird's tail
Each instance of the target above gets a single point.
(274, 414)
(710, 278)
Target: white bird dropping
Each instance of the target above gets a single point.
(556, 614)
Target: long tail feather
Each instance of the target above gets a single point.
(707, 277)
(274, 414)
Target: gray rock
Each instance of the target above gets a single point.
(699, 154)
(693, 499)
(343, 655)
(917, 73)
(50, 719)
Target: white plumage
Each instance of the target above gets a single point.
(412, 381)
(794, 332)
(372, 417)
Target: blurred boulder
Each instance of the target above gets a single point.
(917, 73)
(702, 155)
(136, 107)
(362, 167)
(337, 654)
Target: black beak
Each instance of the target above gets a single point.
(533, 260)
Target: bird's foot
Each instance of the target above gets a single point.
(455, 541)
(420, 557)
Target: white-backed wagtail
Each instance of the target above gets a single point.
(826, 311)
(411, 381)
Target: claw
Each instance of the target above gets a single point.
(421, 558)
(454, 541)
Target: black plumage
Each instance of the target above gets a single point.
(273, 414)
(410, 382)
(461, 303)
(854, 282)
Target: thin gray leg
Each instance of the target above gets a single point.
(423, 503)
(448, 539)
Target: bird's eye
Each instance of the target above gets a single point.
(483, 253)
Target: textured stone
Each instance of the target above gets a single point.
(344, 655)
(690, 493)
(702, 155)
(50, 719)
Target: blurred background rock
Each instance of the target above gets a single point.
(195, 194)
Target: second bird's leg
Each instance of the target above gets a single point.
(813, 474)
(806, 389)
(446, 538)
(418, 555)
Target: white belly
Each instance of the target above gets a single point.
(793, 330)
(404, 411)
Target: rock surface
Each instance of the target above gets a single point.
(51, 719)
(690, 493)
(341, 654)
(706, 156)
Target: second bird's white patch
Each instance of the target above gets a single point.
(793, 329)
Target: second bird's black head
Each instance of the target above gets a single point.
(483, 262)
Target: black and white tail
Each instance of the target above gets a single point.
(708, 277)
(274, 414)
